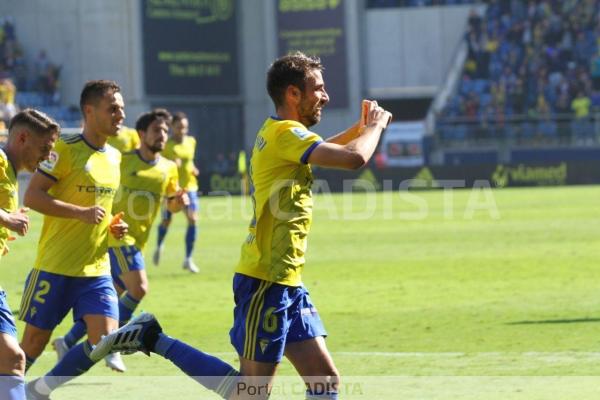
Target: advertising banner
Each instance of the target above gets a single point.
(317, 27)
(190, 47)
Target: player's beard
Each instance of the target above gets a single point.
(311, 114)
(156, 147)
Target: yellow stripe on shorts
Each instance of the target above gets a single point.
(28, 294)
(121, 260)
(252, 319)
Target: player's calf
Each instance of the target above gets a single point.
(34, 340)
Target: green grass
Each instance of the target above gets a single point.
(454, 305)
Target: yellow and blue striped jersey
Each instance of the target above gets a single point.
(9, 193)
(277, 238)
(85, 176)
(184, 152)
(127, 140)
(143, 185)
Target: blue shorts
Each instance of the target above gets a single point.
(194, 206)
(268, 315)
(7, 321)
(48, 298)
(124, 259)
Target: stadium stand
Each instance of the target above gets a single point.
(22, 87)
(532, 75)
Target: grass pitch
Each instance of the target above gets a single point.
(452, 295)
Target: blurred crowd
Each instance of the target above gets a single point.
(537, 59)
(39, 82)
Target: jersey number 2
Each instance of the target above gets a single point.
(43, 289)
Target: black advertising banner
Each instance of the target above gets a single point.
(431, 177)
(317, 27)
(190, 47)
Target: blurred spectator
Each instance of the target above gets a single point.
(581, 126)
(8, 91)
(546, 129)
(47, 75)
(595, 71)
(221, 165)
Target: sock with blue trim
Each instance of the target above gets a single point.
(29, 362)
(162, 232)
(321, 395)
(127, 305)
(12, 387)
(77, 332)
(205, 369)
(74, 363)
(190, 238)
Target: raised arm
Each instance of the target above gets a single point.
(357, 152)
(346, 136)
(38, 198)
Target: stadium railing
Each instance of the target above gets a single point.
(552, 130)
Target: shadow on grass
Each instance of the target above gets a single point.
(555, 321)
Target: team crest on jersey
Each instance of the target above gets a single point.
(300, 133)
(50, 163)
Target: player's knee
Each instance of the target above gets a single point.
(139, 291)
(19, 361)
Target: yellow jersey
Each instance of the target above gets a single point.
(9, 195)
(143, 186)
(85, 176)
(127, 140)
(184, 152)
(282, 198)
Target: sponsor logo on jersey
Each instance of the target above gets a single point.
(50, 163)
(300, 133)
(96, 189)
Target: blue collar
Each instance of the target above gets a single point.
(101, 149)
(149, 162)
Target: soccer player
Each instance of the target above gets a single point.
(146, 178)
(74, 190)
(274, 314)
(181, 148)
(126, 141)
(31, 136)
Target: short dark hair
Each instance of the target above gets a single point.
(144, 120)
(178, 116)
(292, 69)
(93, 91)
(35, 121)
